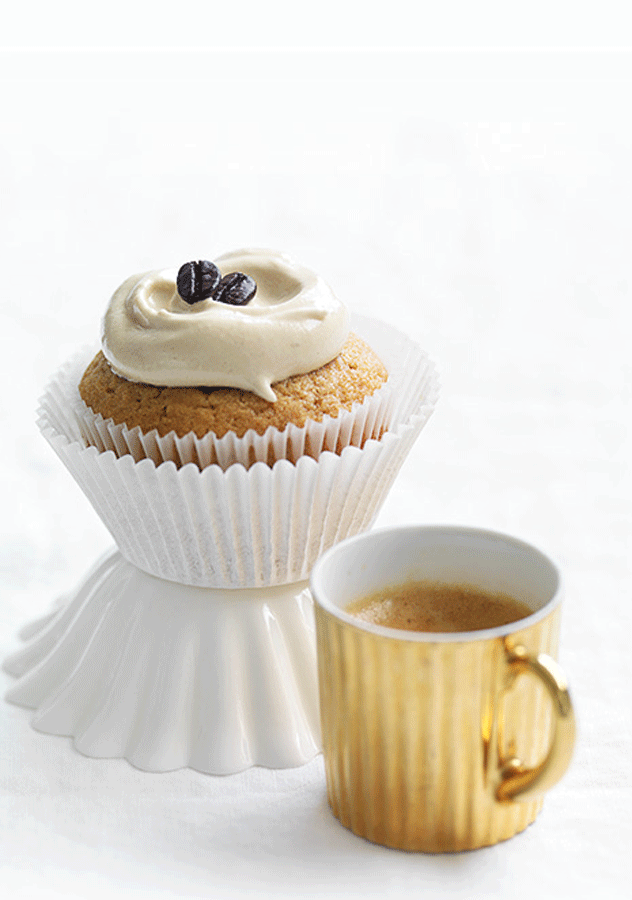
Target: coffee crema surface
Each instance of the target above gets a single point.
(437, 607)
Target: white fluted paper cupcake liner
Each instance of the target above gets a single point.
(247, 527)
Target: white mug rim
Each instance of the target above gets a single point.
(500, 631)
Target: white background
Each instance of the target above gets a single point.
(476, 194)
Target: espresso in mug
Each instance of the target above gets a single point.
(436, 607)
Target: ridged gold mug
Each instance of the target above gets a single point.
(440, 742)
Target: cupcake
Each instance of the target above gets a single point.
(237, 421)
(243, 348)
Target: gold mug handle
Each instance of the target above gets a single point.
(516, 781)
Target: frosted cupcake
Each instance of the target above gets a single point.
(252, 344)
(236, 423)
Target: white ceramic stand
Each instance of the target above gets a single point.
(167, 675)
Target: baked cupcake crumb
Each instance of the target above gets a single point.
(356, 373)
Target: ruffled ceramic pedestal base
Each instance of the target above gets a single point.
(167, 675)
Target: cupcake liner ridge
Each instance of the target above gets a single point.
(180, 516)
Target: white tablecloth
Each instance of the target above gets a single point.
(498, 238)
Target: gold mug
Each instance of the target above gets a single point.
(440, 742)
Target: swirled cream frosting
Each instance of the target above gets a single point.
(293, 325)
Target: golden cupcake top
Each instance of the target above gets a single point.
(247, 320)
